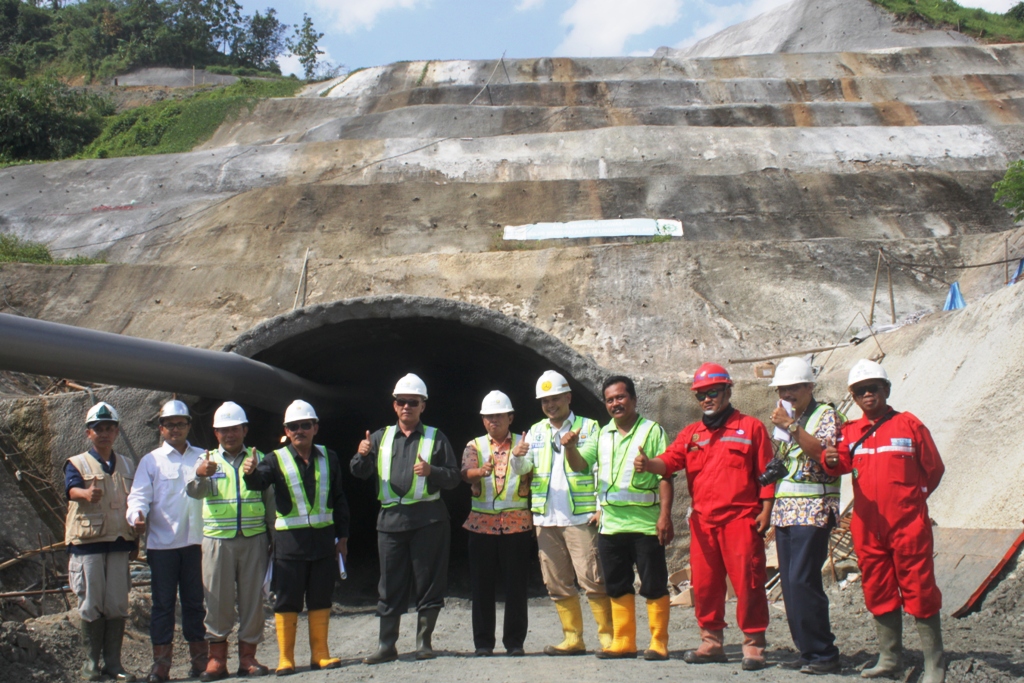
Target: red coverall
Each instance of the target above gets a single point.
(722, 467)
(894, 471)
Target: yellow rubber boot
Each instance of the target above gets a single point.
(571, 616)
(319, 655)
(624, 625)
(602, 609)
(657, 617)
(286, 642)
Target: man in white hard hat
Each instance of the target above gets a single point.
(159, 506)
(500, 527)
(311, 532)
(895, 467)
(100, 542)
(805, 511)
(236, 545)
(564, 506)
(412, 463)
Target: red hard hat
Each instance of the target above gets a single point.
(709, 375)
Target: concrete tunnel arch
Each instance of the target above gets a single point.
(462, 351)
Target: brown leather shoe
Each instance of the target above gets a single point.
(161, 670)
(247, 664)
(199, 654)
(217, 667)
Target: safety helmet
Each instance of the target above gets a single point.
(299, 410)
(101, 412)
(496, 403)
(866, 369)
(709, 375)
(228, 415)
(552, 383)
(174, 409)
(793, 371)
(411, 385)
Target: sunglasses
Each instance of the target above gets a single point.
(411, 402)
(174, 425)
(714, 393)
(869, 389)
(303, 426)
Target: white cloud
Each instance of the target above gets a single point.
(349, 16)
(524, 5)
(290, 63)
(996, 6)
(602, 27)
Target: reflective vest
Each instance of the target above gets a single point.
(616, 484)
(582, 486)
(303, 515)
(418, 492)
(791, 486)
(103, 520)
(233, 507)
(490, 501)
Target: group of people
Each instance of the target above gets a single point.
(598, 500)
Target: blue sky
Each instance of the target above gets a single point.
(362, 33)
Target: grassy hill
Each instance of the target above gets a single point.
(985, 26)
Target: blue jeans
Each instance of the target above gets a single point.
(177, 572)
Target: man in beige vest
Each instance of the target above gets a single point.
(100, 542)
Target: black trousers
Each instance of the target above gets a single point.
(619, 552)
(309, 581)
(177, 573)
(413, 563)
(802, 553)
(508, 554)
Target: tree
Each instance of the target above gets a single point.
(1010, 190)
(260, 40)
(1017, 12)
(304, 45)
(42, 118)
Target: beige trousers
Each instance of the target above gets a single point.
(234, 568)
(569, 553)
(101, 582)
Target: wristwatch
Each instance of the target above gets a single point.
(793, 427)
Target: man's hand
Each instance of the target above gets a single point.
(139, 524)
(364, 445)
(595, 519)
(666, 530)
(207, 467)
(780, 418)
(422, 467)
(831, 456)
(95, 494)
(133, 554)
(764, 520)
(250, 464)
(522, 448)
(487, 468)
(640, 462)
(571, 438)
(342, 549)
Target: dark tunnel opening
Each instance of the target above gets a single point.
(459, 362)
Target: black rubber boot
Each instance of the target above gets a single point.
(113, 637)
(92, 644)
(425, 623)
(386, 650)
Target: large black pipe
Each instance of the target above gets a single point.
(44, 348)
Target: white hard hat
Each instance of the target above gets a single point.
(411, 385)
(496, 403)
(793, 371)
(228, 415)
(866, 369)
(552, 384)
(300, 410)
(101, 412)
(175, 409)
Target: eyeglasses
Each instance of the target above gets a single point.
(868, 389)
(174, 425)
(411, 402)
(714, 393)
(304, 426)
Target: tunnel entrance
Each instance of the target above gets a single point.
(461, 352)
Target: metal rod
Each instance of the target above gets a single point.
(301, 288)
(803, 352)
(874, 290)
(1006, 252)
(892, 300)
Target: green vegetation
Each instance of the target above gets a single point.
(16, 250)
(1010, 190)
(304, 46)
(180, 125)
(977, 23)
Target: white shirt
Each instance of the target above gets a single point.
(173, 519)
(559, 507)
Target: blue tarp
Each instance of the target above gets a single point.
(954, 299)
(1018, 276)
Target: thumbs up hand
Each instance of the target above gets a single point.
(364, 445)
(140, 523)
(94, 493)
(522, 448)
(206, 467)
(640, 462)
(487, 467)
(422, 467)
(571, 438)
(250, 464)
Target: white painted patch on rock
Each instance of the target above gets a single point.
(616, 227)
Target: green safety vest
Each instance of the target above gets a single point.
(582, 486)
(790, 486)
(616, 480)
(490, 501)
(304, 515)
(418, 493)
(221, 510)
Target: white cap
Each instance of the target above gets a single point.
(228, 415)
(300, 410)
(410, 385)
(175, 409)
(793, 371)
(496, 403)
(866, 369)
(101, 412)
(552, 384)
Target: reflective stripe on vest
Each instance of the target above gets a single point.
(489, 501)
(419, 494)
(621, 491)
(790, 486)
(221, 510)
(582, 485)
(303, 515)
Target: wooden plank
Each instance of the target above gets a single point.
(968, 560)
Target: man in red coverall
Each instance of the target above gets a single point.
(723, 455)
(895, 467)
